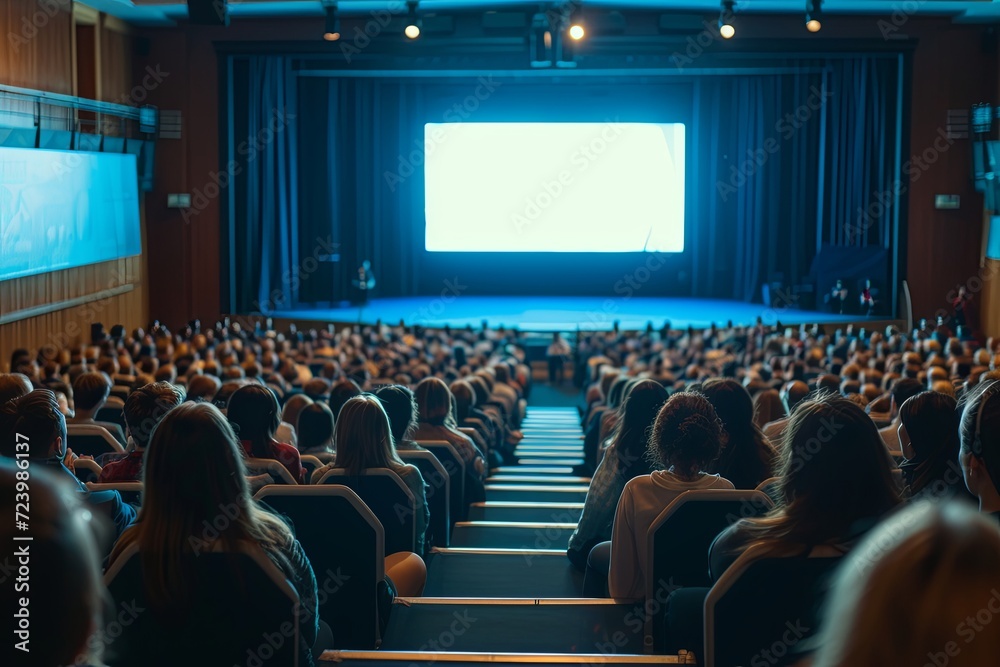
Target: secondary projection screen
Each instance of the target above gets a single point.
(554, 187)
(60, 209)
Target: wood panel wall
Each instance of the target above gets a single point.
(41, 56)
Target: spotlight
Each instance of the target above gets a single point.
(576, 31)
(331, 32)
(412, 29)
(727, 27)
(540, 41)
(814, 15)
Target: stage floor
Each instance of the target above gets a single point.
(537, 313)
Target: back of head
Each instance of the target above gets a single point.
(254, 410)
(904, 389)
(90, 390)
(980, 427)
(401, 407)
(203, 388)
(835, 471)
(794, 393)
(315, 426)
(465, 398)
(828, 382)
(687, 434)
(13, 385)
(362, 436)
(65, 593)
(340, 393)
(38, 423)
(616, 395)
(225, 393)
(293, 407)
(916, 591)
(433, 402)
(767, 407)
(146, 406)
(747, 458)
(317, 389)
(641, 406)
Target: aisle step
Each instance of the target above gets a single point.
(546, 453)
(585, 625)
(534, 470)
(548, 447)
(512, 535)
(478, 658)
(531, 493)
(537, 479)
(509, 573)
(515, 511)
(534, 461)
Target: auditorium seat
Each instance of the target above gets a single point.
(91, 440)
(387, 496)
(86, 470)
(455, 467)
(345, 544)
(438, 495)
(278, 472)
(310, 464)
(679, 539)
(240, 599)
(477, 659)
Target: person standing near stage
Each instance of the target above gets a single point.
(959, 306)
(557, 354)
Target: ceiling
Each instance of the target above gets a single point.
(168, 12)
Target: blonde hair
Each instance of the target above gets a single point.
(363, 438)
(913, 589)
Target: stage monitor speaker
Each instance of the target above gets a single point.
(208, 12)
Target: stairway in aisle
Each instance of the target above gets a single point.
(504, 592)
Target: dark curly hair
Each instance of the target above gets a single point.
(687, 435)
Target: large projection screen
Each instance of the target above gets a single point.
(554, 187)
(60, 209)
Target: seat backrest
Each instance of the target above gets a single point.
(454, 465)
(388, 497)
(679, 539)
(764, 603)
(311, 464)
(438, 494)
(91, 440)
(770, 487)
(131, 492)
(113, 414)
(243, 605)
(345, 544)
(87, 470)
(271, 467)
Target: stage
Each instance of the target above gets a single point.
(546, 314)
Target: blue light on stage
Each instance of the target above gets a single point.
(60, 209)
(554, 187)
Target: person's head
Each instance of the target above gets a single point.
(927, 574)
(13, 385)
(146, 406)
(687, 435)
(401, 407)
(746, 449)
(36, 421)
(315, 427)
(203, 388)
(193, 472)
(341, 392)
(318, 389)
(642, 404)
(465, 398)
(434, 402)
(90, 391)
(793, 393)
(254, 410)
(294, 406)
(362, 436)
(767, 407)
(902, 390)
(66, 604)
(928, 437)
(980, 438)
(834, 471)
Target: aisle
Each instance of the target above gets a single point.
(504, 592)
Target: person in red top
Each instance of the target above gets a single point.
(254, 410)
(144, 409)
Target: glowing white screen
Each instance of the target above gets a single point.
(554, 187)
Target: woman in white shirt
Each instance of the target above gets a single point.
(687, 437)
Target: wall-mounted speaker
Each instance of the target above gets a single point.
(208, 12)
